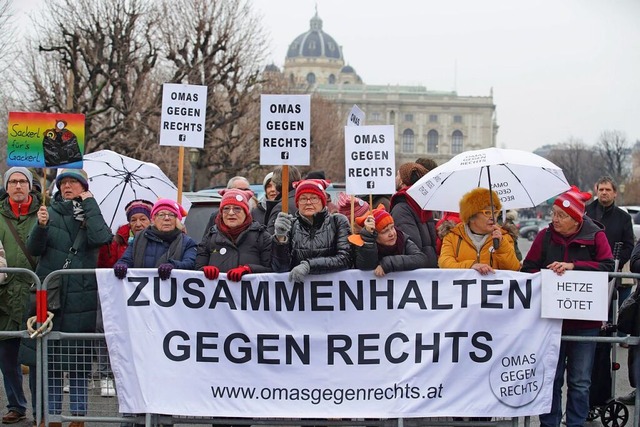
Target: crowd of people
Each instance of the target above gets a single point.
(312, 235)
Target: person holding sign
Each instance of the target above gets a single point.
(313, 241)
(384, 248)
(572, 241)
(69, 234)
(162, 245)
(469, 244)
(236, 244)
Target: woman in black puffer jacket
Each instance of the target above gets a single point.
(313, 241)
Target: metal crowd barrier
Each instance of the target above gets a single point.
(104, 410)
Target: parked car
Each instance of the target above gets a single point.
(339, 187)
(529, 228)
(634, 211)
(202, 205)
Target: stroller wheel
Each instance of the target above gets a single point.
(594, 412)
(614, 414)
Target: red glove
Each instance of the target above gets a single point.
(235, 274)
(211, 272)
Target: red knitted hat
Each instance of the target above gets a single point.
(311, 186)
(573, 203)
(360, 207)
(381, 216)
(236, 197)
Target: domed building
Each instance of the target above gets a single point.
(428, 123)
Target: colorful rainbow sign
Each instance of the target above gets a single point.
(48, 140)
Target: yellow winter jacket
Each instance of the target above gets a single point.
(458, 251)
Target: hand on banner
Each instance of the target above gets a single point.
(560, 267)
(483, 269)
(120, 270)
(235, 274)
(211, 272)
(282, 226)
(299, 272)
(164, 270)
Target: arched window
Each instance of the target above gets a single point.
(332, 79)
(392, 116)
(456, 142)
(408, 141)
(432, 141)
(311, 78)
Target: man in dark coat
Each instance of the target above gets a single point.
(73, 212)
(18, 207)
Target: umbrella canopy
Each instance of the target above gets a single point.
(521, 179)
(115, 180)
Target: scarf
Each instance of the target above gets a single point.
(232, 233)
(78, 210)
(174, 236)
(397, 249)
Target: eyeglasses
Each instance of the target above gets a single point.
(559, 214)
(306, 200)
(165, 215)
(228, 209)
(18, 181)
(488, 213)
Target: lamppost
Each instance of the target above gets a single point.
(621, 187)
(194, 160)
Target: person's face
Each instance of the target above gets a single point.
(309, 204)
(399, 183)
(139, 222)
(606, 194)
(562, 222)
(165, 220)
(18, 187)
(270, 191)
(241, 184)
(387, 236)
(482, 222)
(233, 216)
(70, 188)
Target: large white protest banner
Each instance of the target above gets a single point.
(413, 344)
(184, 109)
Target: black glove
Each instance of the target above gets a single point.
(120, 270)
(283, 223)
(368, 237)
(164, 270)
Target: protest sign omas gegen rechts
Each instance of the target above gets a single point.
(369, 159)
(45, 140)
(285, 131)
(183, 116)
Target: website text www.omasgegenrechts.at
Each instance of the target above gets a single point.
(336, 396)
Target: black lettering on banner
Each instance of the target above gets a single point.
(173, 292)
(182, 352)
(389, 344)
(133, 301)
(339, 344)
(190, 286)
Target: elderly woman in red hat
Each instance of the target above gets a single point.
(313, 241)
(385, 249)
(572, 241)
(162, 245)
(469, 244)
(236, 244)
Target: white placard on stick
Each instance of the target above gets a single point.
(370, 159)
(183, 115)
(285, 129)
(581, 295)
(356, 116)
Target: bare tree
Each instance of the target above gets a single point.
(219, 44)
(7, 49)
(97, 57)
(327, 138)
(615, 151)
(572, 157)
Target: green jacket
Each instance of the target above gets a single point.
(14, 293)
(78, 293)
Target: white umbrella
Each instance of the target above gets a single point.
(520, 178)
(115, 180)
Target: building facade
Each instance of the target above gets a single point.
(435, 124)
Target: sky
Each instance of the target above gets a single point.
(558, 69)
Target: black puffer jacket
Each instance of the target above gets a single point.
(408, 257)
(323, 243)
(252, 248)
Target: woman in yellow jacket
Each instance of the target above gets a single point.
(470, 243)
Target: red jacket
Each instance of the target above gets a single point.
(111, 253)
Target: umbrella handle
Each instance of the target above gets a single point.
(496, 243)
